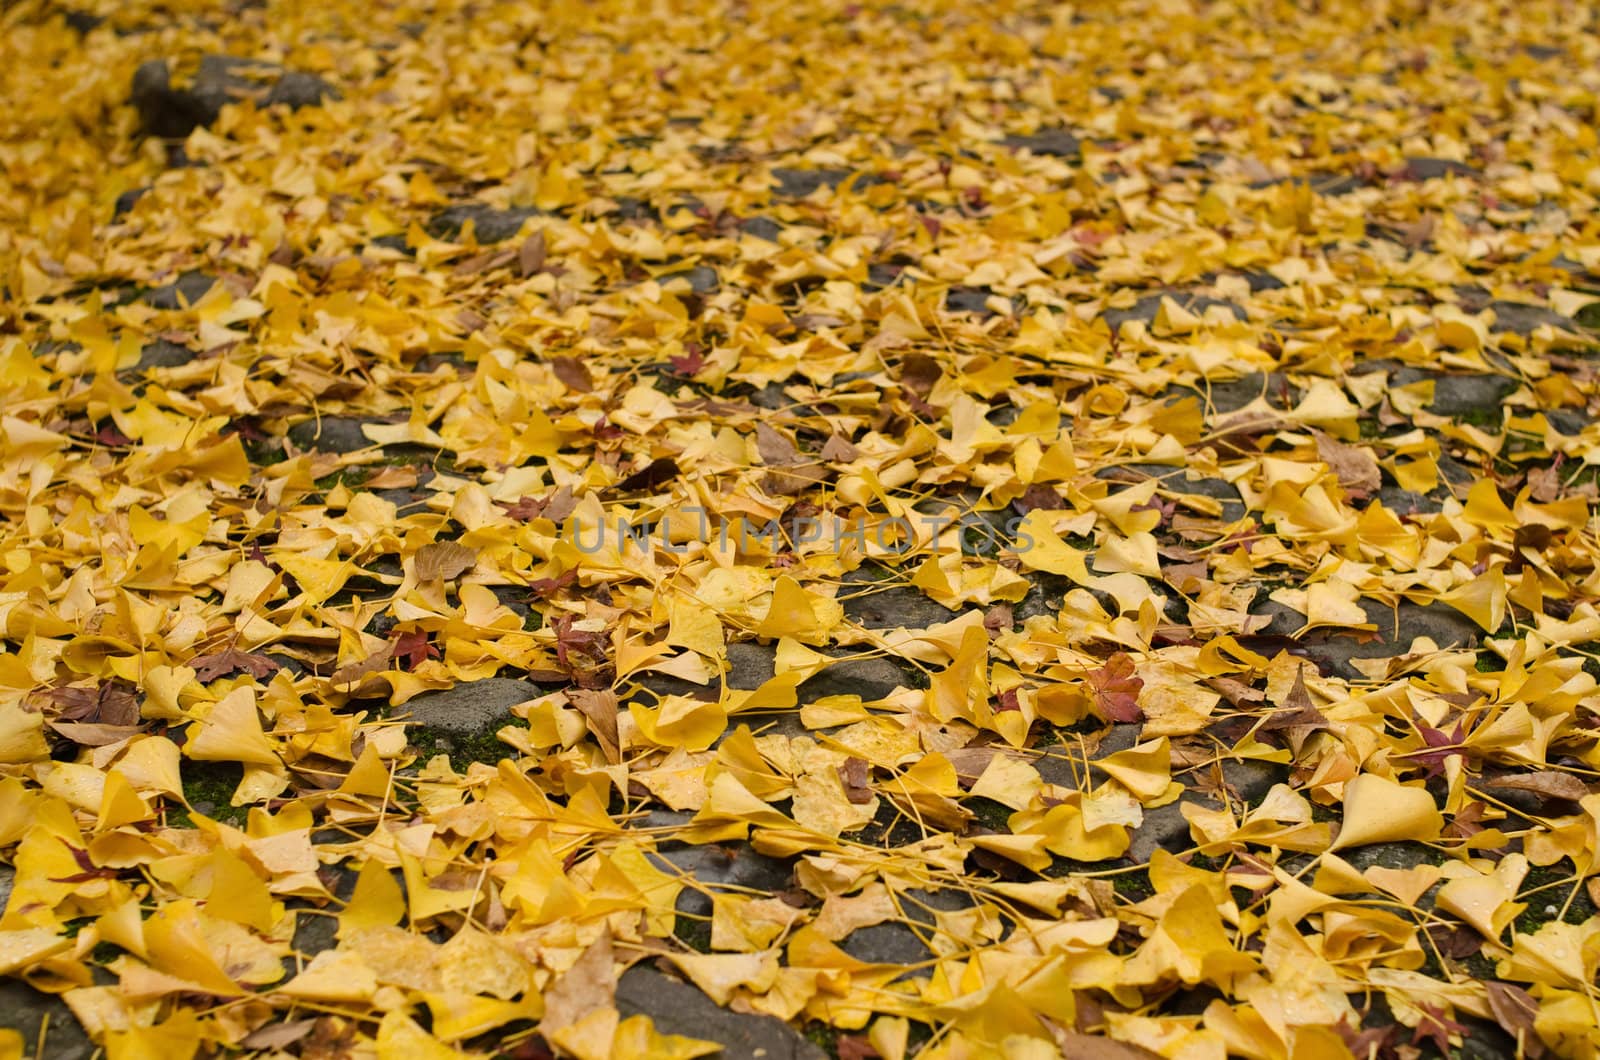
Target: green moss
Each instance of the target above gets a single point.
(264, 453)
(462, 750)
(694, 932)
(1482, 418)
(822, 1036)
(208, 787)
(1548, 886)
(990, 814)
(1133, 886)
(351, 477)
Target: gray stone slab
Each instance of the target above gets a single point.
(1328, 184)
(169, 110)
(1409, 502)
(889, 943)
(750, 665)
(870, 677)
(164, 354)
(702, 279)
(470, 708)
(1062, 765)
(679, 1008)
(1163, 828)
(127, 200)
(1437, 168)
(1251, 778)
(969, 300)
(1146, 308)
(490, 225)
(1461, 395)
(187, 289)
(1056, 143)
(895, 607)
(331, 434)
(762, 228)
(28, 1010)
(1522, 318)
(722, 865)
(1332, 650)
(799, 183)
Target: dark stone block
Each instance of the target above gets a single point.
(799, 183)
(1436, 168)
(331, 434)
(125, 202)
(702, 279)
(471, 708)
(175, 111)
(762, 228)
(164, 354)
(1056, 143)
(1146, 308)
(896, 607)
(490, 225)
(187, 289)
(678, 1008)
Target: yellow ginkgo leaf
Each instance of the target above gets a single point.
(231, 732)
(1380, 810)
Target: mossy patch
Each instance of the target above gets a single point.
(693, 931)
(208, 787)
(484, 746)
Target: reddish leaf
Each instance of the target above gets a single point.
(1437, 1026)
(90, 870)
(555, 506)
(414, 649)
(1298, 718)
(1114, 689)
(857, 781)
(231, 660)
(572, 372)
(1515, 1010)
(693, 359)
(531, 255)
(112, 437)
(570, 642)
(545, 588)
(110, 703)
(1442, 746)
(660, 470)
(855, 1047)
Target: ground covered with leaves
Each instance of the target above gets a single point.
(853, 529)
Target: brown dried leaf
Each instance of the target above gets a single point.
(444, 560)
(857, 779)
(600, 707)
(231, 661)
(838, 450)
(1114, 689)
(1354, 466)
(1515, 1010)
(1546, 783)
(588, 985)
(775, 447)
(573, 373)
(531, 255)
(1093, 1047)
